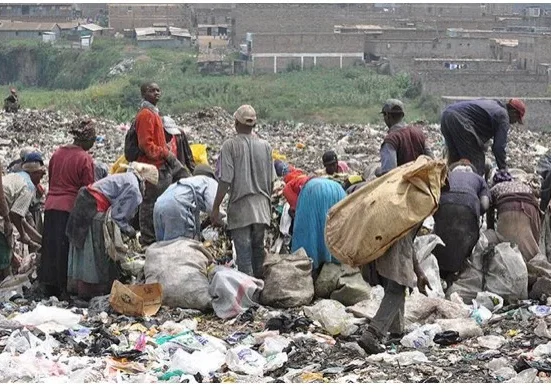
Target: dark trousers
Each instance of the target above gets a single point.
(249, 247)
(152, 192)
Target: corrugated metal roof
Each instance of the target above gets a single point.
(506, 42)
(92, 27)
(67, 25)
(154, 38)
(142, 31)
(26, 26)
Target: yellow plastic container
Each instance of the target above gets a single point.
(199, 152)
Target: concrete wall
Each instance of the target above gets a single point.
(9, 35)
(454, 9)
(281, 63)
(163, 43)
(211, 14)
(297, 18)
(537, 109)
(478, 65)
(446, 83)
(445, 47)
(533, 50)
(128, 16)
(37, 12)
(307, 42)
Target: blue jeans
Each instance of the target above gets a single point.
(249, 247)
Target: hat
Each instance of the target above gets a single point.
(393, 106)
(246, 115)
(146, 171)
(31, 167)
(519, 106)
(281, 168)
(170, 126)
(33, 156)
(24, 151)
(329, 158)
(13, 90)
(204, 170)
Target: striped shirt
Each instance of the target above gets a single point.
(18, 194)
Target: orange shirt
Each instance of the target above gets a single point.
(151, 138)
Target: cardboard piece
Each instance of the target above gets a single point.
(136, 300)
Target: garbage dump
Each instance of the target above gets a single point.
(277, 330)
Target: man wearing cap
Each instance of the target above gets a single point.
(11, 103)
(247, 173)
(403, 143)
(19, 190)
(176, 212)
(332, 163)
(468, 125)
(153, 145)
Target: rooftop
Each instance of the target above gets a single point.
(91, 27)
(26, 26)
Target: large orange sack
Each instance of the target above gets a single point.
(364, 225)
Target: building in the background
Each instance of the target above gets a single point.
(131, 16)
(38, 12)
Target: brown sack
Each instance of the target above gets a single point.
(136, 300)
(364, 225)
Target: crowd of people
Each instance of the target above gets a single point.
(157, 190)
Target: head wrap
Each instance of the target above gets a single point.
(31, 167)
(84, 130)
(281, 168)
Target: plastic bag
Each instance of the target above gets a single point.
(274, 345)
(203, 362)
(424, 245)
(332, 316)
(233, 292)
(421, 337)
(245, 360)
(401, 359)
(49, 319)
(490, 301)
(541, 330)
(467, 328)
(191, 341)
(542, 350)
(491, 342)
(507, 274)
(341, 283)
(181, 268)
(199, 152)
(525, 377)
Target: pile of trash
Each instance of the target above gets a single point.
(225, 327)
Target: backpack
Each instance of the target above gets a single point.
(131, 149)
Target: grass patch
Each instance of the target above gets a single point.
(353, 95)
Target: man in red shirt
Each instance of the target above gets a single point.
(153, 145)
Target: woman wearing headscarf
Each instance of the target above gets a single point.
(518, 214)
(457, 219)
(70, 168)
(90, 268)
(314, 202)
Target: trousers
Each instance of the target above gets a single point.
(152, 192)
(390, 315)
(249, 249)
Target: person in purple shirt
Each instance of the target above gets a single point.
(468, 125)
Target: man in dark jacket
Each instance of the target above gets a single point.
(11, 103)
(468, 125)
(403, 143)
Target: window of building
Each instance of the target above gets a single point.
(440, 10)
(448, 46)
(213, 20)
(429, 10)
(25, 10)
(130, 8)
(17, 33)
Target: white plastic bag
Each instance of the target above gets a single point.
(203, 362)
(233, 292)
(424, 245)
(274, 345)
(490, 301)
(245, 360)
(421, 337)
(49, 319)
(491, 342)
(467, 328)
(332, 316)
(507, 273)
